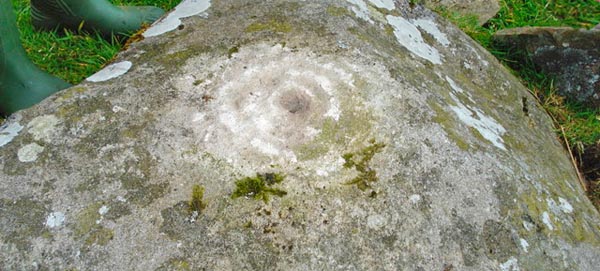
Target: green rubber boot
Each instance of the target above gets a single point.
(91, 16)
(22, 84)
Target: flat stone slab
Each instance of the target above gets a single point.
(293, 135)
(570, 55)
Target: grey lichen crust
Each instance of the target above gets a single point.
(381, 137)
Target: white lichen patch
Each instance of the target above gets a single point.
(29, 152)
(414, 199)
(361, 10)
(528, 225)
(369, 12)
(456, 87)
(409, 36)
(55, 219)
(186, 8)
(386, 4)
(269, 100)
(474, 117)
(431, 27)
(547, 221)
(524, 244)
(43, 127)
(552, 206)
(118, 109)
(466, 65)
(9, 131)
(512, 264)
(103, 210)
(111, 71)
(565, 206)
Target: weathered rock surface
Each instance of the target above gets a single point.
(571, 55)
(483, 9)
(383, 139)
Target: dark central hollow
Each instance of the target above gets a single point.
(295, 102)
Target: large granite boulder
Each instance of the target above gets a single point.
(570, 55)
(293, 135)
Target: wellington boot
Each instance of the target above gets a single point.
(22, 84)
(91, 16)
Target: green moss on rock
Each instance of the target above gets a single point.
(259, 187)
(88, 228)
(232, 50)
(75, 111)
(337, 11)
(361, 162)
(196, 204)
(71, 92)
(101, 237)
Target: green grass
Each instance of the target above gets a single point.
(67, 55)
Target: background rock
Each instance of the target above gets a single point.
(382, 137)
(571, 55)
(483, 9)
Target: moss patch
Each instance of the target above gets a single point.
(231, 51)
(259, 187)
(117, 209)
(101, 236)
(87, 228)
(272, 25)
(337, 11)
(71, 92)
(22, 220)
(360, 161)
(74, 111)
(196, 204)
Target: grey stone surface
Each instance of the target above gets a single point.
(483, 9)
(399, 142)
(570, 55)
